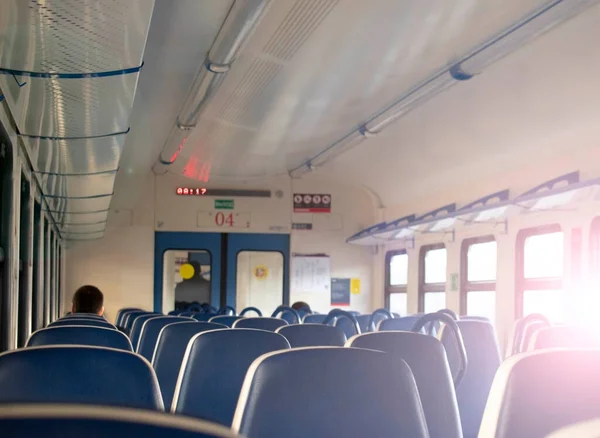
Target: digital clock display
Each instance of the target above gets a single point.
(191, 192)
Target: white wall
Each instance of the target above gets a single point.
(122, 263)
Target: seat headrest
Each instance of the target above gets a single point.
(58, 421)
(261, 323)
(78, 374)
(363, 321)
(314, 319)
(313, 335)
(170, 349)
(82, 321)
(138, 324)
(213, 370)
(129, 318)
(227, 320)
(404, 323)
(426, 357)
(536, 393)
(483, 354)
(562, 336)
(151, 330)
(80, 335)
(360, 393)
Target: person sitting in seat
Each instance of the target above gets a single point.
(88, 299)
(298, 305)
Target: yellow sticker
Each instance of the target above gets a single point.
(355, 286)
(187, 271)
(261, 272)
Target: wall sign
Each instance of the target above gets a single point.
(261, 272)
(224, 204)
(340, 291)
(312, 203)
(311, 273)
(298, 226)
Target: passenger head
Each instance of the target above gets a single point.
(299, 305)
(88, 299)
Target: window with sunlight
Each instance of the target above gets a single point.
(397, 280)
(479, 257)
(542, 273)
(432, 289)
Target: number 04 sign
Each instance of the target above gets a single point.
(223, 219)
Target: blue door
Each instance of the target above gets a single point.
(226, 254)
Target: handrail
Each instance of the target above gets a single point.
(385, 312)
(520, 329)
(451, 324)
(225, 311)
(289, 309)
(251, 309)
(339, 313)
(450, 313)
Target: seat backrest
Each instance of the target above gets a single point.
(80, 335)
(529, 331)
(583, 429)
(129, 319)
(59, 421)
(261, 323)
(136, 328)
(78, 374)
(121, 313)
(347, 326)
(426, 357)
(170, 349)
(361, 393)
(315, 319)
(312, 335)
(363, 321)
(82, 321)
(536, 393)
(214, 368)
(150, 332)
(562, 336)
(404, 323)
(483, 355)
(227, 320)
(203, 317)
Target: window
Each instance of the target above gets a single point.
(396, 296)
(478, 277)
(186, 278)
(432, 273)
(540, 259)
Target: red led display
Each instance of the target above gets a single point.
(187, 191)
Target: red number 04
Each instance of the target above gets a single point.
(221, 219)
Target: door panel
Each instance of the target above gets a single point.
(257, 264)
(167, 244)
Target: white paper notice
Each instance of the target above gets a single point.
(311, 274)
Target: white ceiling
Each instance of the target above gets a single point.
(315, 69)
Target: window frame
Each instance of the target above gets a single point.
(467, 286)
(431, 287)
(521, 283)
(389, 288)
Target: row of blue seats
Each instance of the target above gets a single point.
(412, 347)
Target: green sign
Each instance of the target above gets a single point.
(224, 204)
(453, 282)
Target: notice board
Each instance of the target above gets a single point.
(340, 291)
(311, 273)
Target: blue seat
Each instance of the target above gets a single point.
(363, 321)
(483, 354)
(227, 320)
(426, 357)
(329, 392)
(151, 331)
(315, 319)
(312, 335)
(539, 392)
(80, 335)
(63, 421)
(261, 323)
(213, 371)
(345, 325)
(78, 374)
(82, 321)
(203, 317)
(170, 349)
(138, 323)
(404, 323)
(122, 312)
(562, 337)
(129, 319)
(289, 317)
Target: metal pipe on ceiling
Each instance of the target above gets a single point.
(241, 21)
(544, 19)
